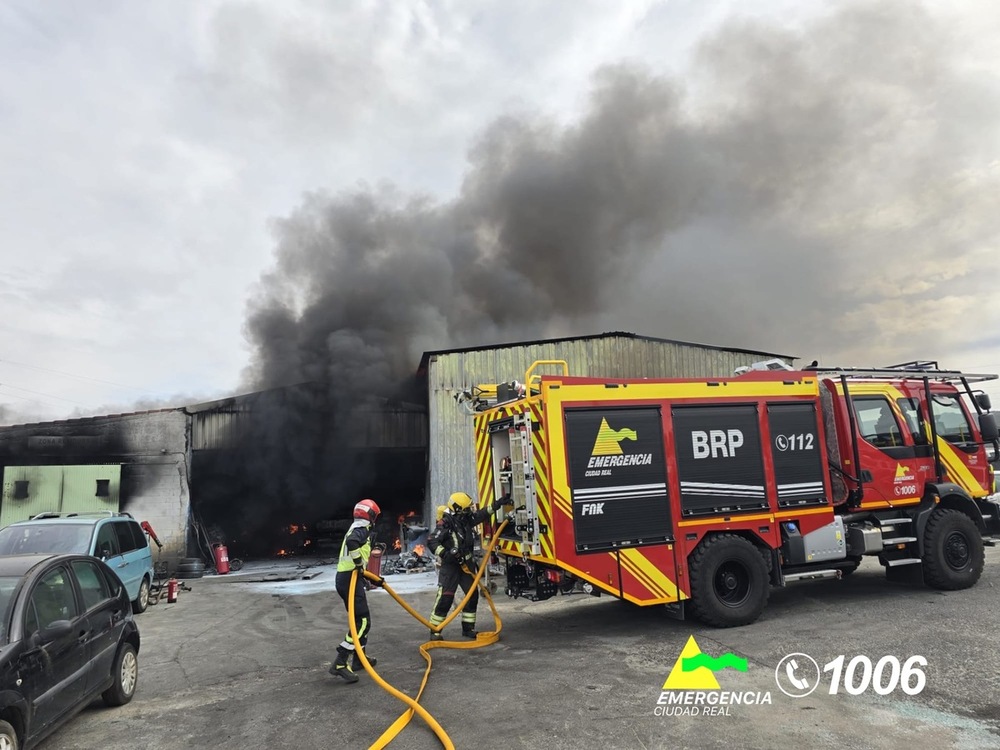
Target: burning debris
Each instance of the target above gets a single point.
(416, 561)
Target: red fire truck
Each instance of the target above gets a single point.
(702, 494)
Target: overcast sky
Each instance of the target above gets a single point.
(185, 181)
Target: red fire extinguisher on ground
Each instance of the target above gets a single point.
(221, 559)
(173, 588)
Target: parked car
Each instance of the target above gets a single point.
(117, 539)
(67, 635)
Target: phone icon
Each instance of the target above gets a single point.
(790, 668)
(797, 675)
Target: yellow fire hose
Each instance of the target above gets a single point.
(482, 639)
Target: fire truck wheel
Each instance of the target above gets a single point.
(953, 550)
(848, 569)
(729, 581)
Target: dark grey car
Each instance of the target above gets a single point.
(66, 636)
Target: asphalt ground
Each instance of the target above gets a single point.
(235, 665)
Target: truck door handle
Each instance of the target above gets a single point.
(122, 564)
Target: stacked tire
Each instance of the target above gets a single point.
(190, 567)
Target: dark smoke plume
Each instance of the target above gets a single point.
(798, 191)
(822, 191)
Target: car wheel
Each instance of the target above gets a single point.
(142, 600)
(125, 674)
(8, 737)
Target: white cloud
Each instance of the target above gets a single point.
(146, 147)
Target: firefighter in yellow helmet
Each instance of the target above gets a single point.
(453, 541)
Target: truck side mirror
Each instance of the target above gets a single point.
(983, 399)
(988, 427)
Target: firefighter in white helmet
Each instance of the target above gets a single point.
(453, 541)
(354, 554)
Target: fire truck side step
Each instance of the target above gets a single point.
(898, 540)
(903, 561)
(893, 521)
(790, 577)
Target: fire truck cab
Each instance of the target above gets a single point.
(702, 494)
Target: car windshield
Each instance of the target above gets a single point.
(45, 537)
(7, 586)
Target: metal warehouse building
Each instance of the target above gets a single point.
(451, 460)
(263, 469)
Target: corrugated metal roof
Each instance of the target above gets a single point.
(610, 334)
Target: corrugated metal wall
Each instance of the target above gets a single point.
(377, 423)
(451, 462)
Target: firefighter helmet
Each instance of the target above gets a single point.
(459, 502)
(367, 510)
(441, 510)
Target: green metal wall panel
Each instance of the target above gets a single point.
(79, 493)
(44, 492)
(61, 489)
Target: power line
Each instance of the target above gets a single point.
(39, 393)
(71, 375)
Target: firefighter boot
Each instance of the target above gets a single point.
(469, 630)
(356, 664)
(340, 668)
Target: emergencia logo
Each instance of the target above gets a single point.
(692, 689)
(608, 441)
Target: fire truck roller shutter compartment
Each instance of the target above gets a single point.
(617, 476)
(798, 466)
(719, 459)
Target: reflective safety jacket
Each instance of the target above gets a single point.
(356, 548)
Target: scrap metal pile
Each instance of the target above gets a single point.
(408, 562)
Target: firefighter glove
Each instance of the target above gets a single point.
(505, 500)
(359, 566)
(380, 582)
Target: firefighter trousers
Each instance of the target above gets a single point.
(362, 617)
(450, 578)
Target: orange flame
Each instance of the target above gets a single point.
(293, 529)
(419, 549)
(282, 553)
(396, 544)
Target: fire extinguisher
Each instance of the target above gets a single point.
(173, 588)
(221, 559)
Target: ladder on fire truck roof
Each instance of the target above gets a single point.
(917, 370)
(914, 370)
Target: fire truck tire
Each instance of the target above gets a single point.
(953, 551)
(729, 581)
(848, 569)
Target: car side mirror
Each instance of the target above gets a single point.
(54, 631)
(988, 427)
(983, 399)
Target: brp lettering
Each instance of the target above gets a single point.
(592, 509)
(715, 443)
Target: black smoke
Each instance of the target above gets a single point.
(797, 190)
(823, 190)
